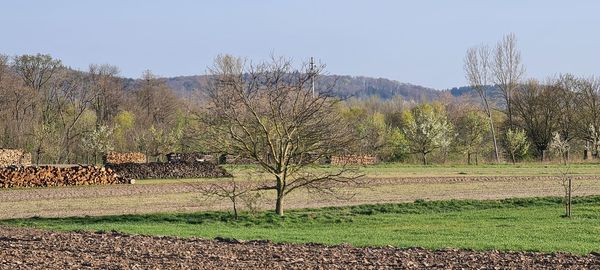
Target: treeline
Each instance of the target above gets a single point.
(61, 115)
(456, 129)
(452, 129)
(513, 119)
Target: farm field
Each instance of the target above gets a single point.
(403, 217)
(41, 249)
(384, 184)
(519, 169)
(527, 224)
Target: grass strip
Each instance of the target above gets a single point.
(518, 224)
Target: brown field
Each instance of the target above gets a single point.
(28, 248)
(149, 196)
(40, 249)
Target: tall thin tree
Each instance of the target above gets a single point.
(507, 71)
(478, 71)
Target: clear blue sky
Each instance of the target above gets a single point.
(420, 42)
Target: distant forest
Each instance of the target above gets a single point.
(345, 86)
(61, 115)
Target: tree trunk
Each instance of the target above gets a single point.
(492, 131)
(424, 158)
(509, 111)
(38, 153)
(543, 157)
(279, 204)
(568, 214)
(468, 158)
(235, 213)
(496, 154)
(280, 186)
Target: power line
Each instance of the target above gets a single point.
(312, 75)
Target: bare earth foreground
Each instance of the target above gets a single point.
(40, 249)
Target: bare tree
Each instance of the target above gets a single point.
(107, 88)
(588, 115)
(17, 101)
(73, 100)
(507, 71)
(157, 101)
(4, 72)
(478, 71)
(3, 67)
(566, 100)
(37, 71)
(229, 189)
(562, 148)
(4, 101)
(267, 112)
(536, 112)
(234, 190)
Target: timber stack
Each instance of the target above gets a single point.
(127, 157)
(353, 160)
(190, 157)
(14, 157)
(51, 176)
(232, 159)
(161, 170)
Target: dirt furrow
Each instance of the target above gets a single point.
(39, 249)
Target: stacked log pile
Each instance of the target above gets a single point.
(47, 176)
(14, 157)
(190, 157)
(231, 159)
(353, 160)
(158, 170)
(130, 157)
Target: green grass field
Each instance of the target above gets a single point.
(532, 224)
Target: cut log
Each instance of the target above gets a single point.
(45, 176)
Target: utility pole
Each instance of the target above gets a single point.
(312, 75)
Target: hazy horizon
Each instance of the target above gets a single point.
(421, 43)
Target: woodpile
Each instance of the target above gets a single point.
(232, 159)
(14, 157)
(190, 157)
(51, 176)
(353, 160)
(201, 157)
(130, 157)
(164, 170)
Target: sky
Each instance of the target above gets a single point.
(419, 42)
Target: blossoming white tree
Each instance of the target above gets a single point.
(426, 128)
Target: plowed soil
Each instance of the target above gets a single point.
(40, 249)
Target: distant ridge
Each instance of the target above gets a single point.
(345, 86)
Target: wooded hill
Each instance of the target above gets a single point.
(344, 86)
(61, 115)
